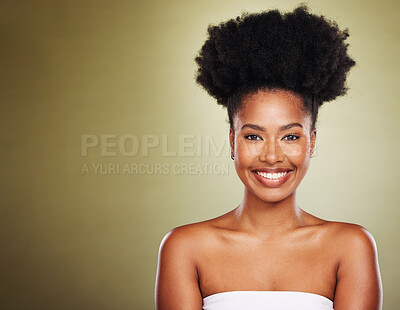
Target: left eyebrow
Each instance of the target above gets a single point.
(288, 126)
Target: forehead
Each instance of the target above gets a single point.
(269, 108)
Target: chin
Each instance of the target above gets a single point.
(275, 195)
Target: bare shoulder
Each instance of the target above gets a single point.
(350, 237)
(339, 229)
(345, 241)
(177, 274)
(359, 284)
(188, 238)
(179, 239)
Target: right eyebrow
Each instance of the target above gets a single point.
(253, 126)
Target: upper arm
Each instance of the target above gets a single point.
(177, 280)
(359, 285)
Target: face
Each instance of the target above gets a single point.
(272, 143)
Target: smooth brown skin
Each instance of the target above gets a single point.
(268, 243)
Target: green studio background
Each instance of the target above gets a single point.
(74, 71)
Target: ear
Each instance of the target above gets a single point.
(313, 140)
(231, 139)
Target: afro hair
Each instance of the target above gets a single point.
(296, 51)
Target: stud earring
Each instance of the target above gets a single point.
(232, 157)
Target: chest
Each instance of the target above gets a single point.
(282, 266)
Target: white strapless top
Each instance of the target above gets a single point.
(266, 300)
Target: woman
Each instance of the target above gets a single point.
(272, 71)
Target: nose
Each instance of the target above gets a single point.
(272, 152)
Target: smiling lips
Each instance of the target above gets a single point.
(272, 177)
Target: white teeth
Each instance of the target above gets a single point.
(271, 175)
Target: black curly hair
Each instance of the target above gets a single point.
(296, 51)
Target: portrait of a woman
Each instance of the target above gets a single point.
(272, 71)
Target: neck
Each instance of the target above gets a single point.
(267, 219)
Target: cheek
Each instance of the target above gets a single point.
(294, 151)
(245, 156)
(246, 149)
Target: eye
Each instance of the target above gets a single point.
(252, 137)
(291, 137)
